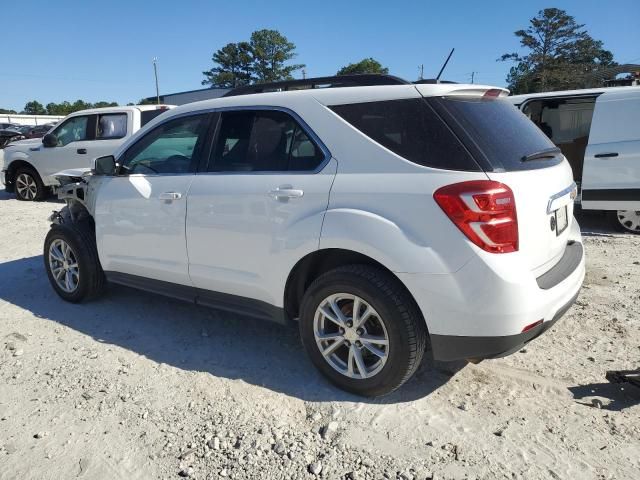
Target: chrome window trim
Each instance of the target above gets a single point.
(305, 127)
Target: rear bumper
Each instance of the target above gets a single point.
(481, 310)
(451, 347)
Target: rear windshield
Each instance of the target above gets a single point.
(411, 129)
(496, 130)
(148, 115)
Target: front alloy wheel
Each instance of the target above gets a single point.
(64, 266)
(629, 220)
(26, 186)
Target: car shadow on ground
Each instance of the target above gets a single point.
(620, 395)
(4, 195)
(195, 338)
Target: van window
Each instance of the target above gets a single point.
(567, 122)
(263, 141)
(411, 129)
(616, 120)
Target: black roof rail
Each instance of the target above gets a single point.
(360, 80)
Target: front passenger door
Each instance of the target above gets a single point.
(140, 213)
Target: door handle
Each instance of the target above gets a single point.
(170, 196)
(82, 151)
(606, 155)
(282, 193)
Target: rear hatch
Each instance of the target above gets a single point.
(514, 151)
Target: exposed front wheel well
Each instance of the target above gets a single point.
(13, 168)
(315, 264)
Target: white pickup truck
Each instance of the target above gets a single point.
(29, 165)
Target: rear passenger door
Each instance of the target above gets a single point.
(259, 205)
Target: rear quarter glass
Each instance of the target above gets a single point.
(497, 133)
(411, 129)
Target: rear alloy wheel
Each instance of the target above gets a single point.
(28, 186)
(629, 220)
(351, 335)
(362, 329)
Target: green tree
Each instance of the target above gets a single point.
(5, 111)
(103, 104)
(233, 66)
(271, 51)
(147, 101)
(560, 54)
(34, 108)
(366, 65)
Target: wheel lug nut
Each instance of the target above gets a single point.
(358, 343)
(349, 324)
(341, 330)
(347, 343)
(359, 331)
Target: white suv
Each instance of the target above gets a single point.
(385, 219)
(29, 165)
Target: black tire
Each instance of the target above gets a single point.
(81, 238)
(40, 189)
(625, 221)
(398, 311)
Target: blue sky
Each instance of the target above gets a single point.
(72, 49)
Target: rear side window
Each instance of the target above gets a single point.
(497, 130)
(112, 125)
(263, 141)
(411, 129)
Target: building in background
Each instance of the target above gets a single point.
(190, 96)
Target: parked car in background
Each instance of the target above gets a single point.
(8, 135)
(386, 219)
(39, 131)
(75, 141)
(598, 131)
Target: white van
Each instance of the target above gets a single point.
(598, 131)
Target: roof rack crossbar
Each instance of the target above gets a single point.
(360, 80)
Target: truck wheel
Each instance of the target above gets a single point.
(362, 329)
(29, 186)
(71, 261)
(627, 220)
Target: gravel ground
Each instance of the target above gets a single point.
(134, 385)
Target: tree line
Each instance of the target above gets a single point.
(557, 53)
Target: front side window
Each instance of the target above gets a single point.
(73, 130)
(112, 125)
(173, 147)
(263, 141)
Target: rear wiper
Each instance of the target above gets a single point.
(546, 153)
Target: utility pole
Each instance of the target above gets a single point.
(155, 71)
(473, 75)
(421, 71)
(304, 74)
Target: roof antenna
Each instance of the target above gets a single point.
(443, 66)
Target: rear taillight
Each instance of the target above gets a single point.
(485, 211)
